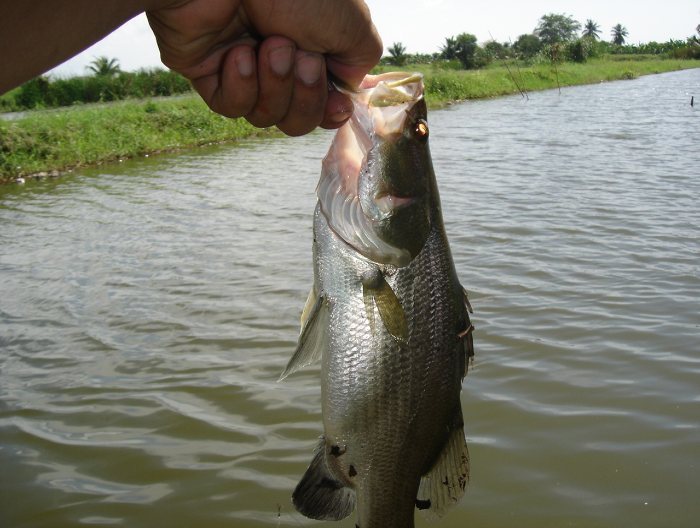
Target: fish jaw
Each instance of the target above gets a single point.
(368, 190)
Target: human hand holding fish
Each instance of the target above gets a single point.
(265, 60)
(269, 60)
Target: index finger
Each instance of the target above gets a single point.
(342, 31)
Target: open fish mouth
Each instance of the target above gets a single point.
(382, 105)
(388, 97)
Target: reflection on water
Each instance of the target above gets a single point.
(147, 310)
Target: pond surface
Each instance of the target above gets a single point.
(148, 308)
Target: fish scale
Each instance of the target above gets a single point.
(387, 323)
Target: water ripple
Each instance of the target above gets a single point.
(149, 308)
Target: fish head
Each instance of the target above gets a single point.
(377, 184)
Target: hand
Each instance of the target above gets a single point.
(269, 60)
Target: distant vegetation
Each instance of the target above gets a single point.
(107, 83)
(104, 66)
(398, 53)
(556, 38)
(591, 30)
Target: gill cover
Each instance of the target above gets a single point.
(376, 176)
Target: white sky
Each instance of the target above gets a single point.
(422, 25)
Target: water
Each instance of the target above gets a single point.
(148, 308)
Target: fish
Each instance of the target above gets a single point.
(388, 320)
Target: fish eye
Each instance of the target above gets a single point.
(420, 130)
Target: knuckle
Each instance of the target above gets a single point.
(261, 120)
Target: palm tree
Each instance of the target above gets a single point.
(104, 66)
(619, 32)
(591, 30)
(398, 54)
(449, 50)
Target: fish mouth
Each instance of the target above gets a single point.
(382, 101)
(399, 88)
(382, 104)
(388, 97)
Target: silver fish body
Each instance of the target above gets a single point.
(388, 319)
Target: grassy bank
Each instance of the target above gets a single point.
(58, 140)
(53, 141)
(447, 86)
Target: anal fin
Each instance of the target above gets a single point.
(319, 495)
(446, 482)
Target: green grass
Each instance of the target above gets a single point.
(444, 86)
(79, 136)
(87, 135)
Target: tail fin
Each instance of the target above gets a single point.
(319, 495)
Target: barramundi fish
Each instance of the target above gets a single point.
(387, 318)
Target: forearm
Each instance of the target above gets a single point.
(37, 35)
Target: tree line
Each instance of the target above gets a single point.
(106, 82)
(556, 37)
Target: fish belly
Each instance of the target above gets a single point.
(388, 405)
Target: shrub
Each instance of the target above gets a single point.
(496, 50)
(482, 58)
(43, 92)
(686, 52)
(553, 52)
(527, 46)
(33, 94)
(8, 102)
(579, 50)
(463, 48)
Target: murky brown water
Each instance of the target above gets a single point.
(147, 309)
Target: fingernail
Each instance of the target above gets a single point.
(281, 60)
(244, 61)
(308, 68)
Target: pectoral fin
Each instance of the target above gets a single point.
(308, 306)
(368, 298)
(388, 305)
(446, 482)
(319, 494)
(314, 337)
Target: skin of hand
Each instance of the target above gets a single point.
(266, 60)
(269, 60)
